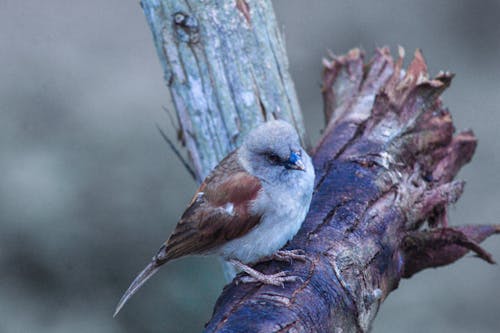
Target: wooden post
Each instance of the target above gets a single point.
(226, 68)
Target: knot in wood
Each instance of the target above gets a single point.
(187, 27)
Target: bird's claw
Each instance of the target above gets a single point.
(277, 279)
(290, 255)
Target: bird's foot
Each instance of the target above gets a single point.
(255, 276)
(277, 279)
(289, 255)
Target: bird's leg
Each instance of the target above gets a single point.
(277, 279)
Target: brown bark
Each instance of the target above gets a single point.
(385, 168)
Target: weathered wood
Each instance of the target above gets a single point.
(385, 164)
(226, 68)
(385, 169)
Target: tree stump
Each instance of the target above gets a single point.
(384, 178)
(385, 165)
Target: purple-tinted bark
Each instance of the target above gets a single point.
(385, 168)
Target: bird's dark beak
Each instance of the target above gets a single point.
(295, 162)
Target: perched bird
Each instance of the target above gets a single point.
(249, 207)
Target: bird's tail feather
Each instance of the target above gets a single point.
(140, 279)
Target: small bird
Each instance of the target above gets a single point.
(249, 207)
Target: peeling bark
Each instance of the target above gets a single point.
(385, 166)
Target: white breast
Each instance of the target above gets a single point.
(284, 208)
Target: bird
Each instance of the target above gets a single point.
(251, 204)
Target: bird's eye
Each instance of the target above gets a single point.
(273, 158)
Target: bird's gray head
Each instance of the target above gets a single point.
(272, 151)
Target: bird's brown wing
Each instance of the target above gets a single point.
(218, 213)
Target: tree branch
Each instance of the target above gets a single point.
(384, 166)
(226, 69)
(384, 170)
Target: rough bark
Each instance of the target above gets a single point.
(385, 168)
(226, 68)
(385, 164)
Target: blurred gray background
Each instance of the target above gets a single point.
(89, 190)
